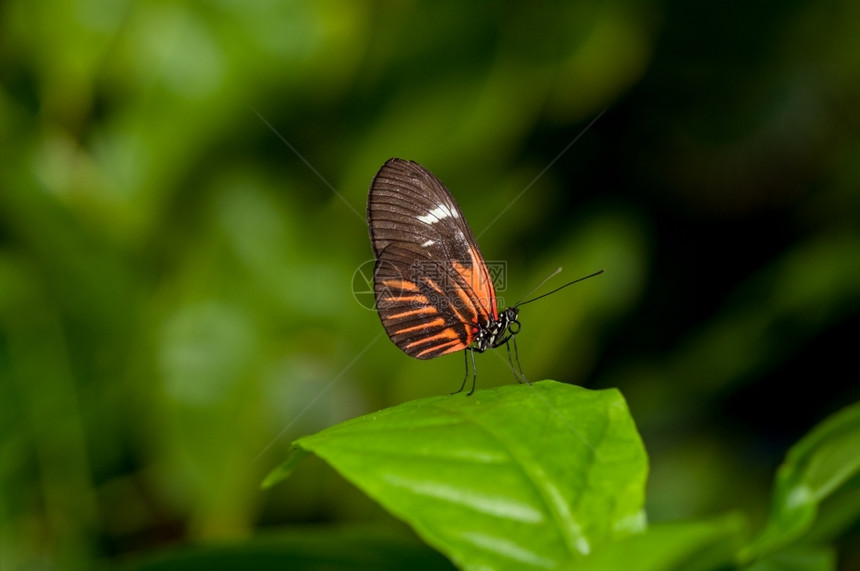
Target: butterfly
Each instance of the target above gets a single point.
(434, 293)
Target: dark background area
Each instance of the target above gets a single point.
(182, 193)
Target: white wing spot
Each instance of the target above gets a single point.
(428, 243)
(439, 213)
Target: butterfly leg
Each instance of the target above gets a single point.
(521, 376)
(474, 374)
(466, 377)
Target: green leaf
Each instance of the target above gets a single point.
(824, 464)
(521, 476)
(691, 546)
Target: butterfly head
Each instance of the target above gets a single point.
(509, 318)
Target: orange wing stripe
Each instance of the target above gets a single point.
(425, 325)
(485, 285)
(466, 304)
(420, 311)
(481, 288)
(442, 349)
(446, 335)
(433, 285)
(407, 299)
(400, 284)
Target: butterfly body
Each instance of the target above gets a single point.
(497, 332)
(434, 293)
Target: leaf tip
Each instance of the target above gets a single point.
(283, 471)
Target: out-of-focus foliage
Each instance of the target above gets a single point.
(340, 548)
(182, 190)
(821, 471)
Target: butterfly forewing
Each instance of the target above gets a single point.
(433, 290)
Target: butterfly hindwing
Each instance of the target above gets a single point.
(415, 305)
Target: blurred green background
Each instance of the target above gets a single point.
(182, 191)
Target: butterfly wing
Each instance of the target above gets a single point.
(433, 289)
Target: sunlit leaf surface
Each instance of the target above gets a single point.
(513, 477)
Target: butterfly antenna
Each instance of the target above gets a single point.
(537, 287)
(597, 273)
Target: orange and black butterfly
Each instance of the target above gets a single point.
(433, 291)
